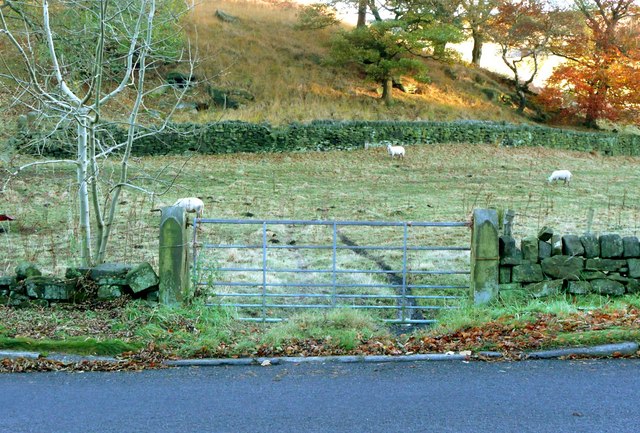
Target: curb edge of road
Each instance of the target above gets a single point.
(599, 351)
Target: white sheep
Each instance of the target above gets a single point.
(395, 150)
(191, 204)
(557, 175)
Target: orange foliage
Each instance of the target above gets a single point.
(601, 79)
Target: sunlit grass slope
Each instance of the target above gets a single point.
(286, 70)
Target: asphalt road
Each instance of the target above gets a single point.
(449, 396)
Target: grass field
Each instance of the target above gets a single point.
(433, 183)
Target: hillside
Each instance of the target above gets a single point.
(278, 74)
(283, 69)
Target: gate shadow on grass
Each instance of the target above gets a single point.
(392, 277)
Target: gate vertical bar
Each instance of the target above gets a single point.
(194, 253)
(335, 267)
(264, 271)
(404, 272)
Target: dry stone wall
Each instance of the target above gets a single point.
(104, 282)
(549, 263)
(234, 136)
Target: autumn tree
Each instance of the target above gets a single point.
(435, 22)
(381, 50)
(522, 29)
(74, 59)
(477, 15)
(600, 78)
(316, 16)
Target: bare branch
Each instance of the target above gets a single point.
(54, 58)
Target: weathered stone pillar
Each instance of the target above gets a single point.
(173, 260)
(484, 255)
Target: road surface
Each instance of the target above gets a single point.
(451, 396)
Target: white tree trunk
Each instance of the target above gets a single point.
(83, 193)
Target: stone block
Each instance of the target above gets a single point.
(504, 275)
(8, 282)
(591, 245)
(579, 287)
(511, 261)
(529, 246)
(18, 300)
(142, 278)
(58, 292)
(615, 276)
(630, 247)
(545, 233)
(571, 246)
(544, 250)
(109, 291)
(608, 287)
(108, 281)
(105, 271)
(77, 272)
(634, 268)
(591, 275)
(49, 288)
(633, 286)
(506, 246)
(25, 270)
(527, 273)
(510, 287)
(611, 246)
(606, 265)
(509, 253)
(545, 288)
(563, 267)
(556, 245)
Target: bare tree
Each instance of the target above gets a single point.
(77, 57)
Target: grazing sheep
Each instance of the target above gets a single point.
(557, 175)
(395, 150)
(191, 204)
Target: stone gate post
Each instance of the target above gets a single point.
(173, 261)
(484, 255)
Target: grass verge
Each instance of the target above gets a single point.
(139, 329)
(74, 345)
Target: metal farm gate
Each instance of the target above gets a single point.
(265, 270)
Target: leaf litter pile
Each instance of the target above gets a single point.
(511, 337)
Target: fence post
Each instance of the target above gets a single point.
(173, 263)
(484, 255)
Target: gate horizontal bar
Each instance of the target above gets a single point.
(338, 271)
(397, 286)
(329, 296)
(328, 247)
(280, 319)
(331, 223)
(324, 306)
